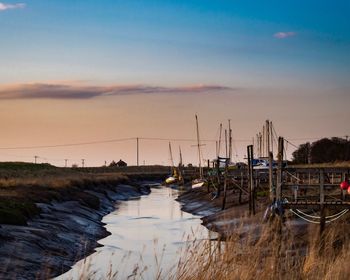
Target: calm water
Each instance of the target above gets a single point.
(147, 234)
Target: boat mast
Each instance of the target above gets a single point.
(199, 151)
(171, 156)
(180, 163)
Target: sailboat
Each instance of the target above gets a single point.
(199, 182)
(174, 177)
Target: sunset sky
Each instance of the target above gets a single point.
(75, 71)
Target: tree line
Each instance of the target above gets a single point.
(322, 151)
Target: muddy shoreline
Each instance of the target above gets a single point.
(235, 217)
(64, 231)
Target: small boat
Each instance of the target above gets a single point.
(197, 183)
(175, 177)
(171, 180)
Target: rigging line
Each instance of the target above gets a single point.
(305, 139)
(295, 146)
(318, 217)
(66, 145)
(16, 156)
(313, 138)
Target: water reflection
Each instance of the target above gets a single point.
(146, 238)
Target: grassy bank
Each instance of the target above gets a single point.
(267, 254)
(24, 184)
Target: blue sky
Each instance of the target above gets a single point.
(222, 42)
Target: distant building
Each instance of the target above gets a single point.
(121, 163)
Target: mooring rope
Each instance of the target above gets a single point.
(337, 216)
(318, 217)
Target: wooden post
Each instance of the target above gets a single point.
(279, 168)
(240, 190)
(251, 180)
(322, 206)
(271, 185)
(225, 187)
(218, 175)
(249, 185)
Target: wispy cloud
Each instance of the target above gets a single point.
(60, 91)
(283, 35)
(5, 6)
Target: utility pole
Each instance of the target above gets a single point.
(35, 159)
(137, 151)
(83, 163)
(220, 140)
(226, 152)
(230, 140)
(65, 162)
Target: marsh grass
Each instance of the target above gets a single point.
(23, 185)
(271, 255)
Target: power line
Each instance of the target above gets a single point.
(110, 141)
(66, 145)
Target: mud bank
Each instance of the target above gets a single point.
(235, 219)
(63, 233)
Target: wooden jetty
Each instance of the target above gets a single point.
(309, 192)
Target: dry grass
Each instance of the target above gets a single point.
(22, 185)
(270, 255)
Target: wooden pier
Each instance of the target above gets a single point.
(309, 192)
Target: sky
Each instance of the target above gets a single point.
(77, 71)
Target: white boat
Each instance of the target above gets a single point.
(197, 183)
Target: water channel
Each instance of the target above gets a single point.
(147, 238)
